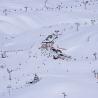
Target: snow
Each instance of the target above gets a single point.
(21, 35)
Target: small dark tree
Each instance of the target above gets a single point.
(59, 6)
(5, 12)
(88, 38)
(77, 26)
(93, 21)
(95, 55)
(26, 8)
(85, 4)
(10, 78)
(64, 94)
(3, 54)
(9, 72)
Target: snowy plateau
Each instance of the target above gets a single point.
(48, 48)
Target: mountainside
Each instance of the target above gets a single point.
(48, 48)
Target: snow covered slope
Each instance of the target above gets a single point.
(25, 25)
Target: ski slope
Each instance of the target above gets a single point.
(22, 32)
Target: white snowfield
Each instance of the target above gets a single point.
(24, 25)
